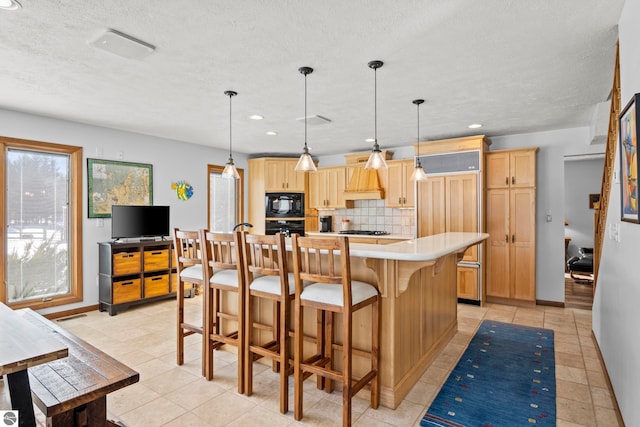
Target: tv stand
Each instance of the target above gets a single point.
(131, 273)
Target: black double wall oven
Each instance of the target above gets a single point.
(284, 212)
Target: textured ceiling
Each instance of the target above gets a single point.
(515, 66)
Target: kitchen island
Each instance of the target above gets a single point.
(417, 281)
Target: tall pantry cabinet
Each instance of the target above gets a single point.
(511, 224)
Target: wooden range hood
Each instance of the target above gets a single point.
(364, 184)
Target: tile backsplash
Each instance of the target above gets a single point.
(373, 215)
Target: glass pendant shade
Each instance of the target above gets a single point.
(305, 163)
(230, 170)
(376, 159)
(418, 172)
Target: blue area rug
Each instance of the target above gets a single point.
(505, 378)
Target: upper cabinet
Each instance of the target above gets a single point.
(399, 188)
(326, 188)
(511, 169)
(281, 176)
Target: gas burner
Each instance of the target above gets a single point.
(366, 232)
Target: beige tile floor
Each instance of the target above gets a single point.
(169, 395)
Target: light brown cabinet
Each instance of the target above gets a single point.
(511, 169)
(326, 188)
(399, 189)
(281, 176)
(511, 224)
(449, 204)
(272, 175)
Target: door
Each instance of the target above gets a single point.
(274, 176)
(394, 184)
(522, 165)
(497, 170)
(498, 284)
(317, 189)
(462, 207)
(431, 206)
(225, 200)
(522, 221)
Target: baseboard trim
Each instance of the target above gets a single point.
(71, 312)
(550, 303)
(616, 407)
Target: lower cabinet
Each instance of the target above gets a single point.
(133, 273)
(468, 282)
(511, 247)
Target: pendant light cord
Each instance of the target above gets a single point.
(305, 113)
(230, 151)
(375, 106)
(418, 132)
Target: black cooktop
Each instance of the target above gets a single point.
(366, 232)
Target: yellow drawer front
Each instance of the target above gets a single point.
(174, 282)
(126, 290)
(156, 285)
(126, 263)
(156, 260)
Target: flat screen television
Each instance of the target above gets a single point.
(139, 221)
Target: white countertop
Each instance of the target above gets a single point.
(421, 249)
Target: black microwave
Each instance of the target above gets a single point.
(284, 205)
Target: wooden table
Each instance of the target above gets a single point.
(22, 346)
(73, 391)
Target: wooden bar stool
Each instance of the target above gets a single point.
(223, 274)
(267, 277)
(326, 263)
(188, 255)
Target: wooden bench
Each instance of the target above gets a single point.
(73, 391)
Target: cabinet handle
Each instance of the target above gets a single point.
(506, 180)
(127, 283)
(156, 253)
(506, 238)
(399, 200)
(513, 238)
(156, 278)
(404, 200)
(513, 179)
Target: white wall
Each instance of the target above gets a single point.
(616, 316)
(581, 178)
(171, 160)
(550, 195)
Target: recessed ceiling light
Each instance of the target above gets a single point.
(369, 140)
(475, 126)
(271, 132)
(256, 117)
(10, 4)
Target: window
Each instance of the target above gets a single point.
(41, 248)
(225, 200)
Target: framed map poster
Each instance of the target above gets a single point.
(117, 183)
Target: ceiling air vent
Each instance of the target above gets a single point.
(124, 45)
(315, 120)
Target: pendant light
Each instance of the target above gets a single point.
(418, 173)
(376, 159)
(230, 170)
(305, 164)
